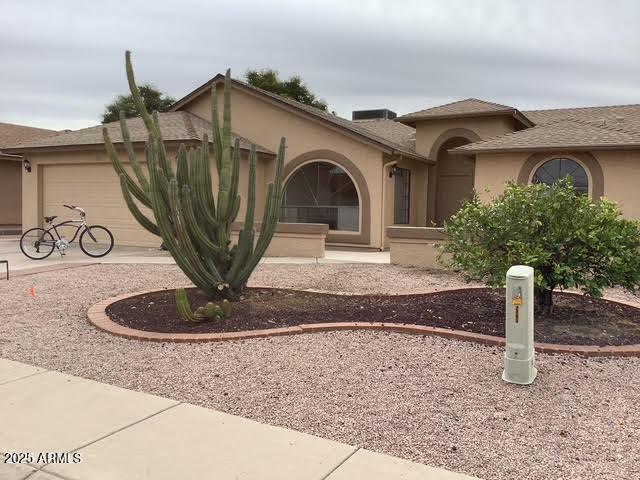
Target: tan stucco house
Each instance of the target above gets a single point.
(358, 176)
(11, 173)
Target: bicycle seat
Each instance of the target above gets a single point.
(50, 219)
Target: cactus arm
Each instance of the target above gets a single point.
(205, 161)
(161, 211)
(138, 100)
(185, 243)
(202, 240)
(135, 190)
(235, 179)
(133, 158)
(215, 129)
(182, 166)
(203, 195)
(163, 161)
(269, 221)
(184, 309)
(247, 234)
(135, 211)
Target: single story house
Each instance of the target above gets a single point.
(358, 176)
(11, 173)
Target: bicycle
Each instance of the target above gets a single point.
(38, 243)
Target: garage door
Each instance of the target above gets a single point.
(96, 188)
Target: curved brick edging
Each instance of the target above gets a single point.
(97, 316)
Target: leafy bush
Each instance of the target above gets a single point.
(570, 241)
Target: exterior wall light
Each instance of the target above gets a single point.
(27, 165)
(392, 171)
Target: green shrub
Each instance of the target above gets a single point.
(570, 241)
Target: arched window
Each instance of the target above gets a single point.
(553, 170)
(321, 192)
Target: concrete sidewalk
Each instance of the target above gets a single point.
(73, 428)
(10, 250)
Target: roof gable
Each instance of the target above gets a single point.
(376, 138)
(469, 107)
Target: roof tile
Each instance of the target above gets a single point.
(559, 134)
(175, 126)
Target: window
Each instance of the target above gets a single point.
(401, 196)
(553, 170)
(321, 192)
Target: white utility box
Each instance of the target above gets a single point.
(519, 355)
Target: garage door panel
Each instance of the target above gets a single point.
(96, 188)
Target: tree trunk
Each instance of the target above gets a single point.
(544, 300)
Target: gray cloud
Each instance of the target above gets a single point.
(63, 61)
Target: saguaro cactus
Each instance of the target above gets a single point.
(195, 226)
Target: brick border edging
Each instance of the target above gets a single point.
(97, 316)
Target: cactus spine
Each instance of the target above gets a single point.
(194, 225)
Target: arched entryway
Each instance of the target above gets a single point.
(455, 176)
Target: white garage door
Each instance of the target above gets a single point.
(96, 188)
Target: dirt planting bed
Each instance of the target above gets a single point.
(576, 319)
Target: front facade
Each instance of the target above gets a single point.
(359, 177)
(480, 146)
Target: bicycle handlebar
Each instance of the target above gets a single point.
(73, 207)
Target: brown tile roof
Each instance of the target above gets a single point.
(391, 130)
(353, 127)
(175, 126)
(568, 133)
(10, 134)
(464, 108)
(627, 116)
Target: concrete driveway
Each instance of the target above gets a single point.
(10, 250)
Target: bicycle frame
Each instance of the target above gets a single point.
(79, 228)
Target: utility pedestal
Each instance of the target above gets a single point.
(519, 355)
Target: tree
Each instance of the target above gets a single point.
(570, 241)
(294, 88)
(154, 100)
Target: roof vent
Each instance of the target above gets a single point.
(379, 114)
(619, 119)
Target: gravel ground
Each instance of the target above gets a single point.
(427, 399)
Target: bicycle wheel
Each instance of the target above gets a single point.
(96, 241)
(37, 243)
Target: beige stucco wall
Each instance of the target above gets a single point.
(417, 247)
(427, 132)
(266, 123)
(621, 171)
(493, 171)
(297, 240)
(620, 168)
(10, 192)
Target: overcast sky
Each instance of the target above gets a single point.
(62, 60)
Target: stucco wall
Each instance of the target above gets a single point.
(428, 132)
(620, 169)
(10, 192)
(266, 123)
(494, 170)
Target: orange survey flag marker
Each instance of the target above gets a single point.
(32, 292)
